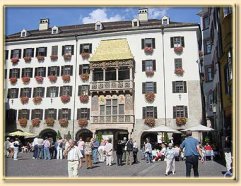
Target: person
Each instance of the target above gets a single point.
(129, 149)
(11, 148)
(148, 151)
(88, 153)
(108, 152)
(119, 153)
(163, 151)
(16, 149)
(40, 148)
(192, 152)
(170, 159)
(46, 145)
(81, 145)
(35, 148)
(95, 147)
(7, 147)
(124, 148)
(177, 152)
(59, 148)
(73, 156)
(101, 149)
(228, 156)
(208, 151)
(135, 151)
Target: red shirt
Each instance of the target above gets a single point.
(208, 147)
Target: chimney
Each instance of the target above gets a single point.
(44, 24)
(143, 14)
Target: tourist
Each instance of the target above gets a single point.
(73, 154)
(46, 145)
(228, 156)
(40, 148)
(81, 146)
(101, 151)
(148, 151)
(163, 151)
(11, 148)
(7, 147)
(192, 152)
(95, 146)
(135, 151)
(170, 159)
(108, 152)
(35, 148)
(129, 151)
(88, 153)
(177, 152)
(16, 149)
(59, 148)
(119, 153)
(124, 148)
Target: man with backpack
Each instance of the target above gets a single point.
(129, 150)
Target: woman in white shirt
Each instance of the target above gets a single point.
(108, 152)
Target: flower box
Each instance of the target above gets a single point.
(149, 73)
(40, 58)
(26, 79)
(53, 57)
(179, 71)
(66, 78)
(85, 55)
(35, 122)
(150, 121)
(150, 97)
(53, 78)
(178, 49)
(27, 59)
(148, 50)
(84, 76)
(67, 57)
(83, 122)
(23, 122)
(181, 121)
(24, 99)
(63, 122)
(13, 80)
(84, 98)
(37, 99)
(15, 60)
(49, 121)
(65, 98)
(39, 79)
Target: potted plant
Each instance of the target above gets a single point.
(65, 98)
(85, 55)
(39, 79)
(150, 121)
(23, 122)
(84, 98)
(49, 121)
(84, 76)
(179, 71)
(63, 122)
(150, 97)
(26, 79)
(67, 57)
(181, 121)
(83, 122)
(35, 122)
(148, 50)
(53, 78)
(66, 78)
(13, 80)
(27, 59)
(37, 99)
(149, 73)
(178, 49)
(24, 99)
(53, 57)
(40, 58)
(15, 60)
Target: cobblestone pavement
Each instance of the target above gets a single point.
(27, 167)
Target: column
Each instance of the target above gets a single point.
(103, 74)
(91, 75)
(117, 73)
(130, 73)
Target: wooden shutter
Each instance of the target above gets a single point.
(29, 93)
(41, 114)
(34, 92)
(143, 66)
(80, 48)
(20, 53)
(58, 71)
(48, 92)
(60, 114)
(72, 49)
(143, 88)
(153, 43)
(33, 114)
(44, 75)
(63, 47)
(80, 69)
(57, 91)
(88, 114)
(36, 54)
(186, 113)
(185, 86)
(32, 53)
(55, 113)
(45, 51)
(61, 91)
(174, 112)
(143, 112)
(18, 73)
(142, 43)
(43, 90)
(46, 113)
(90, 48)
(23, 72)
(35, 71)
(182, 42)
(70, 92)
(24, 52)
(69, 114)
(79, 91)
(173, 87)
(154, 84)
(71, 70)
(154, 65)
(155, 112)
(172, 42)
(49, 71)
(62, 70)
(6, 54)
(31, 72)
(10, 73)
(88, 89)
(11, 54)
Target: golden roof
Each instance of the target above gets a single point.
(114, 49)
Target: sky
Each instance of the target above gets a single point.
(19, 18)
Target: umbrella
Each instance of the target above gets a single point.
(16, 133)
(199, 128)
(29, 135)
(163, 128)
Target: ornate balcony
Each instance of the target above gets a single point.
(113, 119)
(125, 85)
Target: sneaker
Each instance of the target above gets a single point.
(33, 158)
(166, 174)
(173, 173)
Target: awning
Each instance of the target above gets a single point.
(163, 128)
(114, 49)
(199, 128)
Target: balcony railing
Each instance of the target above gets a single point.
(113, 119)
(111, 85)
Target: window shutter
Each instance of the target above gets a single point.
(34, 92)
(11, 54)
(185, 86)
(72, 49)
(69, 114)
(60, 114)
(173, 87)
(23, 72)
(18, 73)
(154, 84)
(57, 71)
(154, 65)
(46, 114)
(88, 71)
(80, 48)
(44, 74)
(79, 91)
(143, 66)
(186, 113)
(90, 48)
(29, 93)
(143, 88)
(172, 42)
(153, 43)
(17, 92)
(57, 91)
(70, 93)
(182, 42)
(71, 70)
(41, 114)
(155, 112)
(10, 73)
(43, 90)
(49, 70)
(31, 73)
(24, 52)
(88, 114)
(88, 89)
(143, 112)
(35, 71)
(142, 43)
(33, 114)
(62, 70)
(55, 113)
(45, 51)
(61, 91)
(20, 52)
(6, 54)
(48, 92)
(36, 52)
(174, 112)
(32, 53)
(63, 47)
(80, 69)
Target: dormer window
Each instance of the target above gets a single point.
(165, 20)
(23, 33)
(55, 30)
(135, 23)
(98, 26)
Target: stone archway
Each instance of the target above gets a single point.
(50, 133)
(83, 133)
(152, 136)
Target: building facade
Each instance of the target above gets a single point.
(114, 79)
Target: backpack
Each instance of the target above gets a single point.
(61, 145)
(129, 146)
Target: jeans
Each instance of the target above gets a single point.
(46, 153)
(148, 157)
(40, 152)
(119, 159)
(35, 153)
(192, 161)
(59, 153)
(95, 155)
(15, 157)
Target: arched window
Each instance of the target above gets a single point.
(98, 26)
(135, 23)
(55, 30)
(23, 33)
